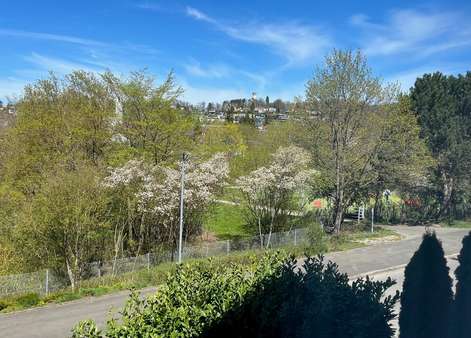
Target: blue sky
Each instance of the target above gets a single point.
(226, 49)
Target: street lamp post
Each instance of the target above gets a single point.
(182, 193)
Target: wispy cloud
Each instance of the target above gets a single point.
(58, 65)
(89, 43)
(52, 37)
(222, 70)
(198, 15)
(194, 68)
(412, 31)
(292, 40)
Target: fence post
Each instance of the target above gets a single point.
(228, 246)
(148, 261)
(47, 282)
(295, 238)
(99, 268)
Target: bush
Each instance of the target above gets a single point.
(319, 302)
(316, 240)
(271, 297)
(28, 300)
(192, 299)
(3, 305)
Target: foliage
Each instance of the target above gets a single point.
(275, 192)
(63, 228)
(442, 106)
(226, 138)
(260, 146)
(314, 301)
(60, 122)
(191, 300)
(461, 325)
(149, 122)
(357, 131)
(153, 195)
(427, 296)
(235, 301)
(316, 238)
(67, 132)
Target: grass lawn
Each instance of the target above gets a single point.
(226, 222)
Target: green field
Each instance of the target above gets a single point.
(226, 222)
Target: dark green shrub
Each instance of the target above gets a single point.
(191, 300)
(427, 295)
(28, 300)
(270, 298)
(3, 305)
(462, 305)
(316, 301)
(316, 240)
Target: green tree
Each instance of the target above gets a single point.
(64, 226)
(60, 122)
(150, 122)
(348, 133)
(426, 300)
(461, 325)
(226, 138)
(403, 160)
(442, 105)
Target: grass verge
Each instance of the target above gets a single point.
(464, 224)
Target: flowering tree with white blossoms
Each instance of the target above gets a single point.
(276, 192)
(155, 192)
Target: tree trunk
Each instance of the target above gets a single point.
(71, 275)
(338, 219)
(448, 190)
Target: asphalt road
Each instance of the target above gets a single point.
(380, 260)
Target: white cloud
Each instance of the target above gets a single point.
(198, 15)
(52, 37)
(194, 68)
(57, 65)
(412, 31)
(89, 43)
(293, 41)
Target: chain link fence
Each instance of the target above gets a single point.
(46, 281)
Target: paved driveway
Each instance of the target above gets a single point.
(56, 320)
